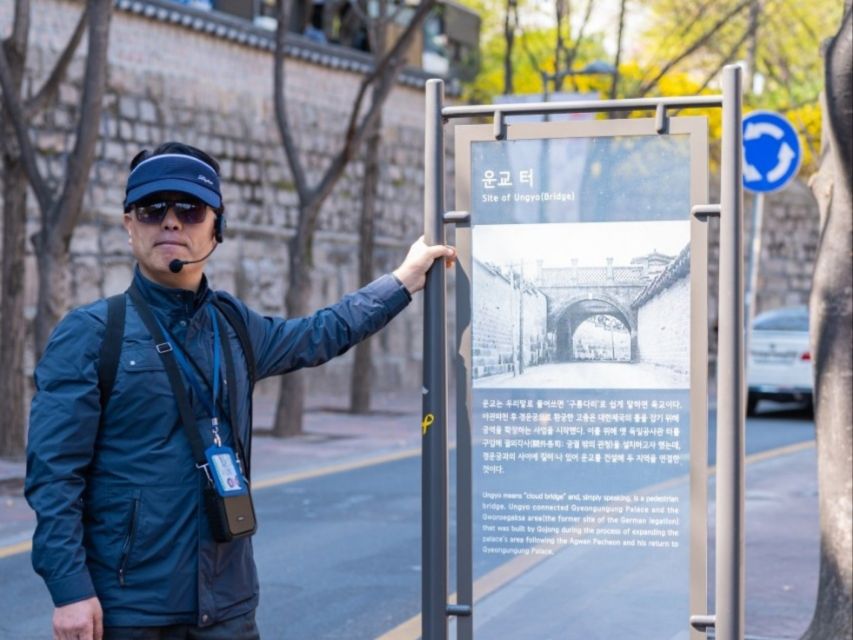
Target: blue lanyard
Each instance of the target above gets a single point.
(189, 373)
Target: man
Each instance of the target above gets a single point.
(131, 538)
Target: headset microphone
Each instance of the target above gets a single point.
(176, 265)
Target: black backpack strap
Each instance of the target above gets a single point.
(111, 347)
(232, 315)
(228, 309)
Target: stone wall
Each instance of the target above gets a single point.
(499, 307)
(166, 81)
(663, 317)
(663, 328)
(790, 232)
(789, 240)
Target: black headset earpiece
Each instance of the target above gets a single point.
(219, 227)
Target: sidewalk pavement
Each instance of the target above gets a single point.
(782, 535)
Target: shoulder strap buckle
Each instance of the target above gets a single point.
(163, 347)
(206, 468)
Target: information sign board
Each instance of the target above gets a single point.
(579, 292)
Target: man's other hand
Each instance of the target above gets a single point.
(82, 620)
(412, 273)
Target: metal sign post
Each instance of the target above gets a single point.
(434, 422)
(529, 547)
(731, 413)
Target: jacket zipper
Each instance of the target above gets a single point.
(128, 542)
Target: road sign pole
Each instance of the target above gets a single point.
(730, 379)
(434, 532)
(754, 263)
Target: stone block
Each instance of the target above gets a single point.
(128, 107)
(147, 111)
(69, 95)
(84, 240)
(62, 118)
(51, 142)
(117, 277)
(253, 171)
(215, 147)
(114, 242)
(86, 273)
(115, 151)
(141, 133)
(125, 130)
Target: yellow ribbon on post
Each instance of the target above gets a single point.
(426, 422)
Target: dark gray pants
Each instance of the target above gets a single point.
(239, 628)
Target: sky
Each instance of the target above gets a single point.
(590, 242)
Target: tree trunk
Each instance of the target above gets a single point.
(831, 307)
(388, 64)
(291, 395)
(614, 81)
(13, 326)
(509, 36)
(362, 370)
(52, 260)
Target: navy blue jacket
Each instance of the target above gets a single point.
(118, 497)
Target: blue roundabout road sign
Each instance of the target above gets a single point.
(771, 151)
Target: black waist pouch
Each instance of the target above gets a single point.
(229, 517)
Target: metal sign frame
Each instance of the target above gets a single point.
(729, 618)
(697, 131)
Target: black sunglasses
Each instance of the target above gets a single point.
(187, 211)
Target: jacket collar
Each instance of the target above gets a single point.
(169, 300)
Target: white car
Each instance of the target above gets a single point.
(779, 363)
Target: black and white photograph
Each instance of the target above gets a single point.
(581, 305)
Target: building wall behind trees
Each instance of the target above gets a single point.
(203, 85)
(168, 81)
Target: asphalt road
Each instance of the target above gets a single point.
(338, 555)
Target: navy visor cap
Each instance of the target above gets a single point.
(173, 172)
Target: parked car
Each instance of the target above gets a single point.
(779, 363)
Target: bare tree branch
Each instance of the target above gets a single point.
(281, 107)
(705, 37)
(68, 206)
(360, 11)
(614, 84)
(576, 42)
(401, 7)
(688, 26)
(724, 60)
(700, 13)
(773, 74)
(562, 12)
(510, 29)
(792, 10)
(15, 112)
(48, 90)
(531, 55)
(21, 24)
(355, 131)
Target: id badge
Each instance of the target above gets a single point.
(225, 471)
